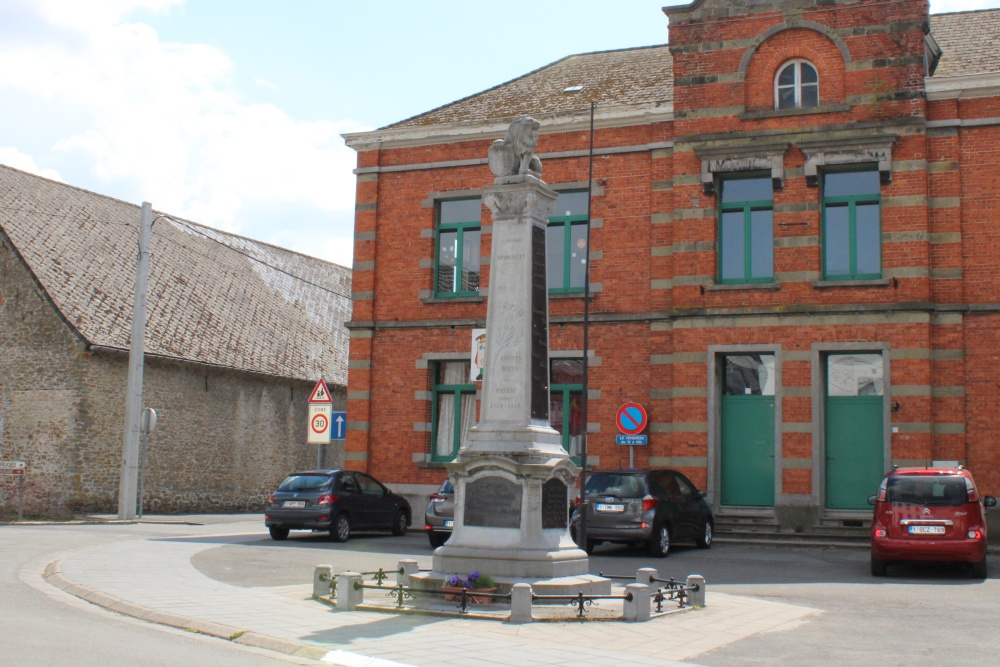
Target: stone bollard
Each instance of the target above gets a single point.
(322, 581)
(408, 569)
(520, 604)
(636, 610)
(696, 598)
(645, 576)
(348, 598)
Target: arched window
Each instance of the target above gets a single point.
(796, 86)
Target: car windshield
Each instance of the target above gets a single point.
(446, 487)
(613, 484)
(926, 490)
(297, 483)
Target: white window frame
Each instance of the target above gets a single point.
(797, 85)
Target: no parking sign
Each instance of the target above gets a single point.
(632, 419)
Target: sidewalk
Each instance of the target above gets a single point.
(154, 580)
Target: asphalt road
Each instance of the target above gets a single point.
(42, 626)
(919, 615)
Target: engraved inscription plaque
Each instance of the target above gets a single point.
(539, 328)
(555, 505)
(494, 502)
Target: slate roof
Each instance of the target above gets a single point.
(214, 297)
(969, 41)
(644, 75)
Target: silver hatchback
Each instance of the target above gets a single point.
(651, 508)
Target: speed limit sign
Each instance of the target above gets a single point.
(319, 423)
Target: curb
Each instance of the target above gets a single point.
(54, 576)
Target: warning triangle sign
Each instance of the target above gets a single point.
(320, 393)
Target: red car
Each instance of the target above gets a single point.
(929, 514)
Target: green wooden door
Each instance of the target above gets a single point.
(855, 447)
(747, 451)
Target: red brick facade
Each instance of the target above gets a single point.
(660, 321)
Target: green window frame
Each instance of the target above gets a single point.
(566, 389)
(453, 408)
(746, 229)
(852, 224)
(566, 243)
(457, 260)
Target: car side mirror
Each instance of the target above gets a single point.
(871, 500)
(989, 501)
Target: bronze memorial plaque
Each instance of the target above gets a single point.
(555, 506)
(494, 502)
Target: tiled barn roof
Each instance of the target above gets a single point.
(213, 297)
(645, 75)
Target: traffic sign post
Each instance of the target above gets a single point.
(632, 420)
(16, 468)
(320, 420)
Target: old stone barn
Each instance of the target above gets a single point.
(794, 229)
(238, 333)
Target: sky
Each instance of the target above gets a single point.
(229, 113)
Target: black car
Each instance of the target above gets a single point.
(651, 508)
(339, 501)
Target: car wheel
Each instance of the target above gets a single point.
(878, 567)
(278, 533)
(436, 539)
(401, 523)
(978, 570)
(659, 545)
(704, 541)
(341, 529)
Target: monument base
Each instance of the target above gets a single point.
(512, 517)
(588, 584)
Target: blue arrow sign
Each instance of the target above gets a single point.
(338, 425)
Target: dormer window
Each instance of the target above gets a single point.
(796, 86)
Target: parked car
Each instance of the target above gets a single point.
(651, 508)
(340, 501)
(929, 514)
(440, 516)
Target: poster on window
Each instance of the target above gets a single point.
(478, 355)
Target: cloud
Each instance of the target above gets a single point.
(12, 157)
(163, 122)
(945, 6)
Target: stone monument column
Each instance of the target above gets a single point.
(512, 476)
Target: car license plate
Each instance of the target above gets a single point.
(601, 507)
(927, 530)
(294, 504)
(449, 523)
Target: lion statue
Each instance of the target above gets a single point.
(514, 155)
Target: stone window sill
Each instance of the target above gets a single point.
(780, 113)
(431, 300)
(759, 287)
(569, 295)
(828, 284)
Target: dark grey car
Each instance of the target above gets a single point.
(440, 516)
(340, 501)
(651, 508)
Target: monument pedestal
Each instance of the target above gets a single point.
(512, 476)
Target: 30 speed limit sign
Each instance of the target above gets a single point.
(319, 424)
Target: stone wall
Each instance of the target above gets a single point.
(224, 439)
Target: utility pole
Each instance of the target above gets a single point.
(133, 398)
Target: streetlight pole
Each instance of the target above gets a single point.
(133, 397)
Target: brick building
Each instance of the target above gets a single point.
(794, 222)
(237, 334)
